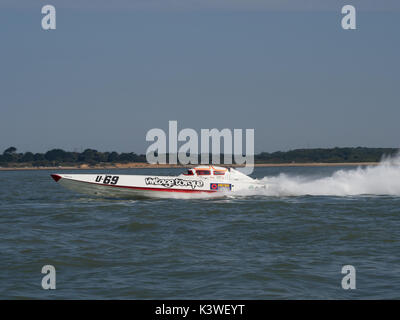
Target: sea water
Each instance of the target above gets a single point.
(287, 241)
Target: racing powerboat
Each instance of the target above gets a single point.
(195, 182)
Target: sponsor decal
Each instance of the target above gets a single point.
(221, 186)
(176, 182)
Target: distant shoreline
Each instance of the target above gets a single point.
(93, 159)
(143, 165)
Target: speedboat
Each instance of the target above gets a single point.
(195, 182)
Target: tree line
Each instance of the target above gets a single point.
(331, 155)
(57, 157)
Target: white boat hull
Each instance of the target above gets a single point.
(140, 186)
(134, 187)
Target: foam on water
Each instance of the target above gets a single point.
(383, 179)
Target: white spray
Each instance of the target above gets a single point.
(383, 179)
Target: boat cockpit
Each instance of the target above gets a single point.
(207, 171)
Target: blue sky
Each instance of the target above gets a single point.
(108, 74)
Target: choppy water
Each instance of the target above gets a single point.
(290, 242)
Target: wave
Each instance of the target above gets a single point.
(382, 179)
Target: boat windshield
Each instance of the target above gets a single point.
(219, 173)
(203, 172)
(189, 173)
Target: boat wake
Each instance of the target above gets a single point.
(382, 179)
